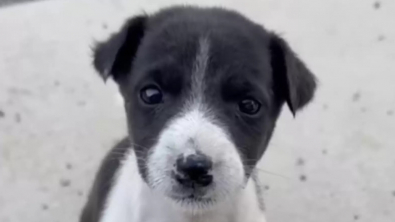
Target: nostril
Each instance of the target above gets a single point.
(194, 169)
(205, 180)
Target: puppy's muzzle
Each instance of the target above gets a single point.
(193, 171)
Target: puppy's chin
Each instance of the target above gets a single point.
(196, 201)
(193, 204)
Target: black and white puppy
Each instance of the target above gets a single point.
(203, 88)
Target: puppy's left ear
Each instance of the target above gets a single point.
(293, 81)
(114, 57)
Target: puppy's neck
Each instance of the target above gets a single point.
(131, 200)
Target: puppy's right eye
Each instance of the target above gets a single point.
(151, 95)
(249, 106)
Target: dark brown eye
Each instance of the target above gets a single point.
(249, 106)
(151, 95)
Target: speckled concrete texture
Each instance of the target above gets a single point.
(11, 2)
(334, 162)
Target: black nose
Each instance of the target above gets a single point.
(193, 170)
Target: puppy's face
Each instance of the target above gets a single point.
(203, 89)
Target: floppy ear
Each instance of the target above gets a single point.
(293, 81)
(114, 56)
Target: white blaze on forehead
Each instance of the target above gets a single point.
(199, 70)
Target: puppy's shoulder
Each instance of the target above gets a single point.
(104, 181)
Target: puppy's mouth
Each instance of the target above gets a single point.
(194, 199)
(192, 192)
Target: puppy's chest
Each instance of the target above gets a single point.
(165, 215)
(155, 212)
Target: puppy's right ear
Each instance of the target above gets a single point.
(114, 56)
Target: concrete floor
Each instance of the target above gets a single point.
(11, 2)
(334, 162)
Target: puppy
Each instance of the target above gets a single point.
(203, 88)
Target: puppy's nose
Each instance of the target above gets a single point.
(194, 170)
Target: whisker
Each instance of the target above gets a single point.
(271, 173)
(261, 170)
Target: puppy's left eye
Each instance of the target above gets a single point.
(249, 106)
(151, 95)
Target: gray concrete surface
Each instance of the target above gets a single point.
(12, 2)
(334, 162)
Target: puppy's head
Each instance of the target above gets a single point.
(203, 89)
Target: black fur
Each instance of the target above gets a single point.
(113, 57)
(293, 80)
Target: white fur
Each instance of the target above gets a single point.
(131, 200)
(199, 71)
(208, 138)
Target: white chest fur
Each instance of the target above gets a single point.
(131, 200)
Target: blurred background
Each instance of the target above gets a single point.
(334, 162)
